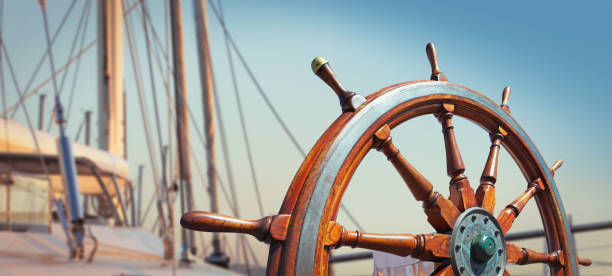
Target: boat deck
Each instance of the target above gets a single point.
(121, 251)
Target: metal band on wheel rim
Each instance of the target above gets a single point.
(361, 121)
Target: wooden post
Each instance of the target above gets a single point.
(111, 111)
(217, 257)
(120, 199)
(88, 127)
(182, 122)
(41, 111)
(139, 204)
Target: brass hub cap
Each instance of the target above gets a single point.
(478, 246)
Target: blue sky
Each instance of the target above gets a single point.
(554, 55)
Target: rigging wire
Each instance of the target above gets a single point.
(29, 121)
(169, 102)
(79, 32)
(198, 131)
(200, 137)
(76, 70)
(267, 100)
(13, 108)
(226, 155)
(167, 74)
(259, 89)
(245, 134)
(165, 50)
(132, 7)
(6, 130)
(42, 84)
(43, 4)
(42, 59)
(149, 138)
(151, 75)
(192, 117)
(149, 205)
(143, 109)
(78, 134)
(197, 163)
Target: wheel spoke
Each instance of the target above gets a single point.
(507, 216)
(432, 56)
(461, 194)
(441, 213)
(426, 247)
(264, 229)
(555, 166)
(524, 256)
(485, 194)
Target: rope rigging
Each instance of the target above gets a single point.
(166, 81)
(226, 157)
(6, 130)
(84, 15)
(267, 100)
(42, 59)
(245, 134)
(42, 84)
(76, 69)
(252, 76)
(144, 114)
(27, 115)
(78, 134)
(13, 108)
(151, 75)
(231, 202)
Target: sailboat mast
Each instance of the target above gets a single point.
(182, 123)
(217, 257)
(111, 113)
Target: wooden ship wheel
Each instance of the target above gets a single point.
(469, 237)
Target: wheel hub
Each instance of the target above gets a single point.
(478, 246)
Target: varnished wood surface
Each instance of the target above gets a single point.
(518, 148)
(344, 96)
(507, 216)
(505, 99)
(461, 193)
(465, 113)
(555, 166)
(441, 214)
(524, 256)
(428, 247)
(432, 56)
(274, 227)
(485, 194)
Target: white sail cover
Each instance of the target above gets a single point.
(18, 152)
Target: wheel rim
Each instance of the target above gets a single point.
(319, 190)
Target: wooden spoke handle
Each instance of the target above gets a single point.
(432, 56)
(505, 98)
(461, 193)
(424, 247)
(556, 166)
(441, 213)
(274, 227)
(523, 256)
(485, 194)
(349, 101)
(507, 216)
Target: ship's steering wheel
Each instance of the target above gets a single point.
(469, 238)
